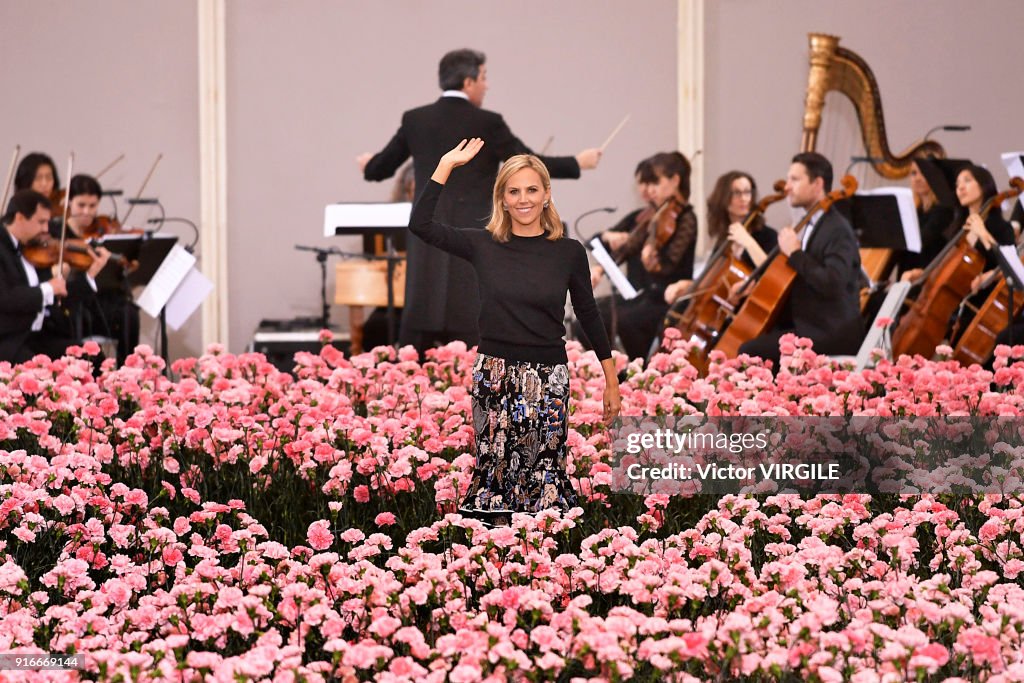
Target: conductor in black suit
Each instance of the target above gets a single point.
(24, 294)
(824, 301)
(441, 301)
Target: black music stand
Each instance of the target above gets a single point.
(370, 219)
(879, 222)
(941, 176)
(1013, 271)
(148, 251)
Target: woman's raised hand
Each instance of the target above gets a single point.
(463, 152)
(457, 156)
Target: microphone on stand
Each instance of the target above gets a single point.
(112, 193)
(576, 223)
(954, 128)
(186, 221)
(862, 160)
(144, 200)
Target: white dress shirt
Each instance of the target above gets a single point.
(805, 237)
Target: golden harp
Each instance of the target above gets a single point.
(835, 68)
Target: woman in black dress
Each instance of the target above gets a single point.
(525, 266)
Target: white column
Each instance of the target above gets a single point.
(691, 105)
(213, 168)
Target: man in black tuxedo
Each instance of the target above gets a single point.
(824, 301)
(23, 298)
(441, 298)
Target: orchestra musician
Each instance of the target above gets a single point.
(613, 238)
(72, 318)
(25, 293)
(729, 204)
(665, 245)
(441, 301)
(933, 217)
(36, 171)
(975, 186)
(112, 312)
(824, 300)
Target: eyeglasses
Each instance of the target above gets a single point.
(742, 193)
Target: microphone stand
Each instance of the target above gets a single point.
(321, 256)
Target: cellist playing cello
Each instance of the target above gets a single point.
(824, 300)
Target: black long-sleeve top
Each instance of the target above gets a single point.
(522, 285)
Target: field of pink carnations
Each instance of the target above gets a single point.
(237, 523)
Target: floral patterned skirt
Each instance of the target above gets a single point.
(520, 417)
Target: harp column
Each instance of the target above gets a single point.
(213, 199)
(690, 103)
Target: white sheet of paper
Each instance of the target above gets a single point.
(618, 280)
(166, 279)
(366, 215)
(187, 297)
(1009, 252)
(908, 214)
(1015, 168)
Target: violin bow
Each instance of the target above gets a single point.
(10, 177)
(64, 223)
(109, 166)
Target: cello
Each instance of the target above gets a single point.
(946, 282)
(763, 305)
(709, 309)
(979, 338)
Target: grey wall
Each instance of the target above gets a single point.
(314, 83)
(936, 62)
(101, 79)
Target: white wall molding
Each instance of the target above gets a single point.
(213, 168)
(691, 104)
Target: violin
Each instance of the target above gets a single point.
(104, 225)
(45, 252)
(665, 219)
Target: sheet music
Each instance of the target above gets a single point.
(618, 280)
(1014, 163)
(187, 297)
(1009, 253)
(908, 214)
(166, 279)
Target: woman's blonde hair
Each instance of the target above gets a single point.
(500, 225)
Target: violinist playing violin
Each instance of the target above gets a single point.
(665, 244)
(824, 301)
(77, 316)
(111, 311)
(25, 293)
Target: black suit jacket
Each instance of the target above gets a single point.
(19, 303)
(824, 302)
(441, 291)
